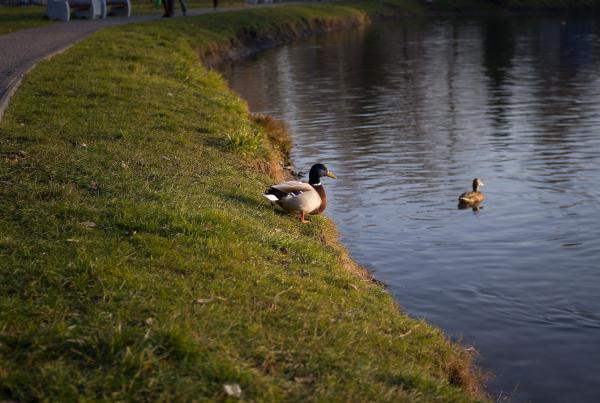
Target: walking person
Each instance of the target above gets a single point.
(183, 5)
(168, 6)
(215, 4)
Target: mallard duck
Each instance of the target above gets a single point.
(301, 197)
(472, 197)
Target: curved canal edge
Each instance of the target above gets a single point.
(138, 260)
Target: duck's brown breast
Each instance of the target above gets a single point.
(321, 191)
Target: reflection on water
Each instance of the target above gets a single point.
(407, 113)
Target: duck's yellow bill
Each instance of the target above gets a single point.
(331, 175)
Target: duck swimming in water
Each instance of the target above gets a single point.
(474, 197)
(301, 197)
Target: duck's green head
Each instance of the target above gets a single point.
(317, 172)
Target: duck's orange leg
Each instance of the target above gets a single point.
(302, 220)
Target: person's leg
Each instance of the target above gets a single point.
(183, 7)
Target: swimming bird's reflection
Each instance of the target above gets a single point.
(476, 207)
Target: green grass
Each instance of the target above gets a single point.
(18, 18)
(138, 260)
(146, 6)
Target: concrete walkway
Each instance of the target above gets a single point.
(20, 51)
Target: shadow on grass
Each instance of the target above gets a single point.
(246, 200)
(258, 204)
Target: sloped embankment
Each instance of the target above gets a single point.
(138, 261)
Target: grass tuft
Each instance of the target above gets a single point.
(245, 140)
(276, 132)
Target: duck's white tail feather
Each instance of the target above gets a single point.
(271, 197)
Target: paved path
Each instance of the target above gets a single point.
(20, 51)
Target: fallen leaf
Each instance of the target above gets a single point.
(405, 334)
(304, 379)
(149, 321)
(232, 389)
(204, 300)
(88, 224)
(14, 157)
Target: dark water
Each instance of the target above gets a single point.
(407, 114)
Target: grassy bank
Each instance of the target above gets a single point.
(138, 260)
(149, 6)
(18, 18)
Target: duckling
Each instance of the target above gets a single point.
(474, 197)
(301, 197)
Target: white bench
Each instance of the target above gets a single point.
(119, 8)
(89, 9)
